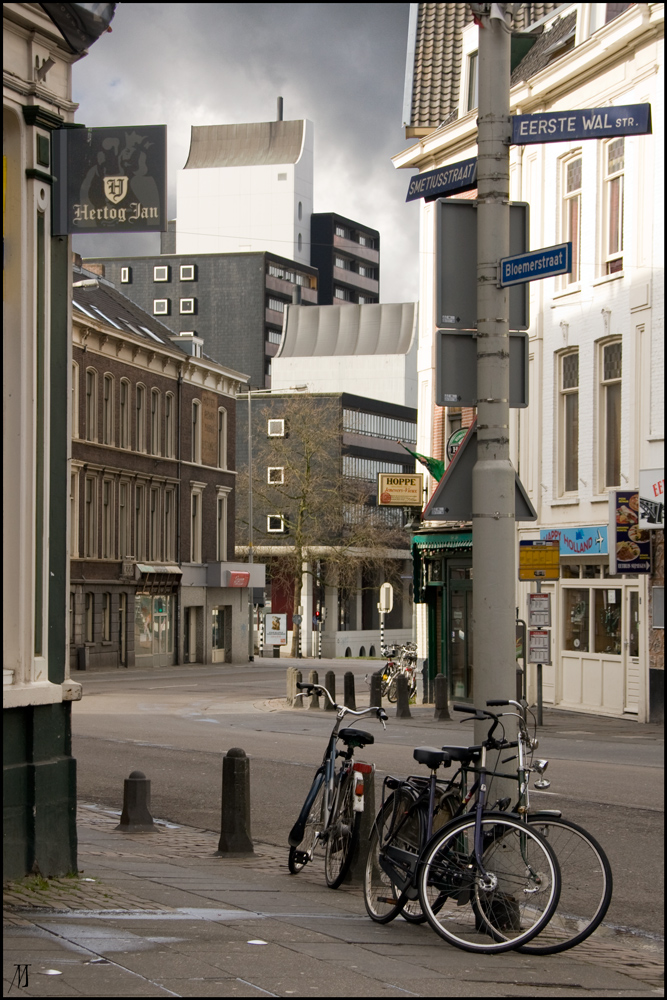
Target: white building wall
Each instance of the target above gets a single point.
(389, 377)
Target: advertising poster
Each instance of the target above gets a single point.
(400, 491)
(275, 629)
(651, 498)
(629, 544)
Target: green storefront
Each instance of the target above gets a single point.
(442, 566)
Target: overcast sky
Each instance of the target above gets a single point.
(341, 65)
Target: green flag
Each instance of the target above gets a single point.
(434, 465)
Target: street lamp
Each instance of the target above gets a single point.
(251, 606)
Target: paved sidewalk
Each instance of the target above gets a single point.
(160, 915)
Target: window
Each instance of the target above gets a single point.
(124, 521)
(221, 526)
(282, 177)
(572, 215)
(125, 275)
(276, 304)
(140, 521)
(376, 425)
(141, 418)
(155, 422)
(187, 306)
(569, 423)
(222, 438)
(577, 604)
(299, 242)
(610, 416)
(154, 526)
(187, 272)
(276, 475)
(74, 514)
(342, 231)
(106, 617)
(169, 526)
(368, 468)
(343, 294)
(169, 424)
(275, 428)
(275, 524)
(107, 519)
(343, 262)
(607, 631)
(124, 413)
(614, 167)
(88, 619)
(160, 307)
(107, 410)
(196, 431)
(91, 404)
(75, 400)
(90, 518)
(473, 81)
(161, 273)
(195, 526)
(274, 336)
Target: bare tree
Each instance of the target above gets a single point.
(306, 509)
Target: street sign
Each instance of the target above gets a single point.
(400, 491)
(452, 499)
(297, 619)
(386, 598)
(455, 441)
(456, 368)
(590, 123)
(539, 646)
(456, 264)
(536, 264)
(454, 177)
(539, 610)
(539, 559)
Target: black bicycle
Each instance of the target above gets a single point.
(332, 810)
(485, 881)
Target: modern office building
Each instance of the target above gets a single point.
(347, 257)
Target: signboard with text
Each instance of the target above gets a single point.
(400, 490)
(538, 560)
(651, 498)
(536, 264)
(590, 123)
(110, 180)
(275, 629)
(453, 178)
(630, 545)
(583, 541)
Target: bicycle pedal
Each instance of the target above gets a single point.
(301, 857)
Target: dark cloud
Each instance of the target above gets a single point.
(340, 65)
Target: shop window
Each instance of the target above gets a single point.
(608, 621)
(218, 628)
(88, 616)
(577, 603)
(106, 617)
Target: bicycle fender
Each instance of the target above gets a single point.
(297, 831)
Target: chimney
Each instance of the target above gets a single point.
(95, 268)
(280, 109)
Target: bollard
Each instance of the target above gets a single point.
(235, 819)
(356, 871)
(441, 699)
(136, 815)
(376, 689)
(349, 699)
(330, 685)
(315, 696)
(298, 696)
(290, 685)
(427, 684)
(402, 698)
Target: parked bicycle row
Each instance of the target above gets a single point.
(487, 872)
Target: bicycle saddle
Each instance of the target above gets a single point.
(355, 737)
(462, 754)
(431, 757)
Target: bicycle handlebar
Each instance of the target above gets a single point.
(306, 689)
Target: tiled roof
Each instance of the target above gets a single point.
(437, 60)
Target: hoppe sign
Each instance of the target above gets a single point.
(110, 180)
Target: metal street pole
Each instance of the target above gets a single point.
(493, 474)
(251, 623)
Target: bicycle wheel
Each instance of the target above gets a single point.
(392, 690)
(508, 910)
(586, 886)
(311, 822)
(444, 813)
(382, 897)
(340, 833)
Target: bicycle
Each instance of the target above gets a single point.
(406, 663)
(332, 809)
(485, 881)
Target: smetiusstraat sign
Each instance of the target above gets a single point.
(111, 180)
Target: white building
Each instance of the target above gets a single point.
(247, 187)
(596, 335)
(368, 350)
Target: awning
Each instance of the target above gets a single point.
(154, 579)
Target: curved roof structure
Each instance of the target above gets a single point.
(249, 145)
(348, 330)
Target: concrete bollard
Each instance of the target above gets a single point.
(330, 685)
(298, 696)
(136, 815)
(355, 875)
(441, 699)
(290, 685)
(235, 819)
(349, 699)
(402, 698)
(376, 689)
(313, 678)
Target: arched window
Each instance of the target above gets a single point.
(196, 431)
(169, 425)
(75, 400)
(124, 413)
(141, 418)
(107, 410)
(91, 404)
(155, 422)
(222, 438)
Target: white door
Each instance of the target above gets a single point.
(631, 651)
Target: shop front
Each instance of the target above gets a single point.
(442, 566)
(155, 615)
